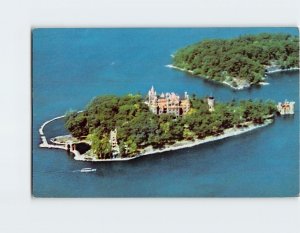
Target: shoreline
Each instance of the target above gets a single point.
(177, 68)
(177, 145)
(227, 133)
(239, 87)
(282, 70)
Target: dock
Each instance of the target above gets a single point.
(68, 146)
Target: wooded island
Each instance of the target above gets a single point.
(239, 62)
(138, 127)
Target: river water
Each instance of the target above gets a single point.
(71, 66)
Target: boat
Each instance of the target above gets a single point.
(88, 169)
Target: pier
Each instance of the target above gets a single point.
(68, 146)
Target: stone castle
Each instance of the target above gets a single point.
(161, 104)
(286, 107)
(168, 103)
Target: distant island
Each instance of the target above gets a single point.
(122, 128)
(239, 62)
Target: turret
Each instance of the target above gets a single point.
(114, 143)
(186, 96)
(151, 95)
(292, 104)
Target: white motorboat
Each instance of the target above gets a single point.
(88, 169)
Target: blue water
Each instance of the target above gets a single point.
(71, 66)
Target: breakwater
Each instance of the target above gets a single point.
(68, 146)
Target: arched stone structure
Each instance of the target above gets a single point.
(70, 146)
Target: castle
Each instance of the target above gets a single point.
(160, 104)
(285, 108)
(168, 103)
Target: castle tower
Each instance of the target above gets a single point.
(292, 107)
(185, 103)
(211, 103)
(152, 100)
(151, 95)
(186, 96)
(114, 143)
(280, 108)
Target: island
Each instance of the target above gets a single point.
(239, 62)
(117, 128)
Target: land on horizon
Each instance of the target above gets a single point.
(240, 62)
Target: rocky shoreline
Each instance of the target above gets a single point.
(240, 85)
(176, 146)
(282, 70)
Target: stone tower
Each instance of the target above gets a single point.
(114, 143)
(211, 103)
(152, 96)
(152, 100)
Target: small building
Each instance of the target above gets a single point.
(286, 108)
(168, 103)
